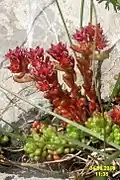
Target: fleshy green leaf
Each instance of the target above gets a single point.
(116, 88)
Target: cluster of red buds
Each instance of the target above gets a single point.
(37, 126)
(33, 65)
(86, 42)
(115, 115)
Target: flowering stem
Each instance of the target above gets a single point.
(81, 12)
(91, 11)
(62, 17)
(95, 81)
(67, 31)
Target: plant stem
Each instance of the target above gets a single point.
(65, 25)
(62, 17)
(116, 88)
(80, 144)
(91, 11)
(95, 80)
(81, 12)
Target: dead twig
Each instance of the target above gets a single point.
(12, 150)
(65, 159)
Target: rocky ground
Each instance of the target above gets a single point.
(18, 174)
(34, 23)
(5, 176)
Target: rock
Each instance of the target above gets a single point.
(35, 22)
(5, 176)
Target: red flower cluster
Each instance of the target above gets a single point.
(87, 34)
(60, 53)
(37, 53)
(42, 72)
(33, 62)
(65, 63)
(19, 60)
(42, 69)
(115, 115)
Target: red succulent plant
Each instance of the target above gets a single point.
(65, 62)
(60, 53)
(43, 71)
(86, 38)
(87, 35)
(115, 115)
(19, 60)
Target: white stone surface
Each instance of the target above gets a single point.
(20, 19)
(3, 176)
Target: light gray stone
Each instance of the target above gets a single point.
(21, 22)
(4, 176)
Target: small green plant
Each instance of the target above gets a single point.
(115, 4)
(4, 139)
(48, 144)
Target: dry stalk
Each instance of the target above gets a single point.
(96, 159)
(12, 150)
(66, 159)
